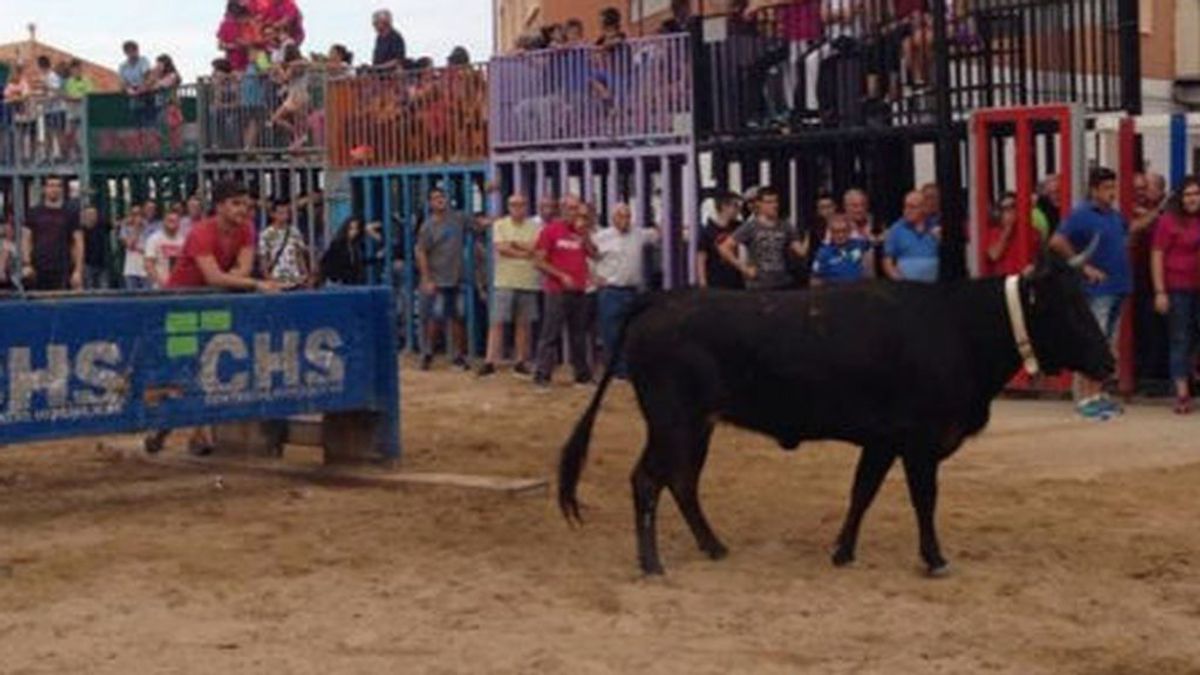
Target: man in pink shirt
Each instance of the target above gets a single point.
(562, 252)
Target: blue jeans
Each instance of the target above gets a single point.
(136, 283)
(614, 305)
(1107, 310)
(1183, 319)
(96, 278)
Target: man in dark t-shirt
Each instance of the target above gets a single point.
(714, 271)
(52, 246)
(389, 44)
(97, 245)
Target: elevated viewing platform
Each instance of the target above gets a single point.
(636, 93)
(74, 137)
(253, 118)
(390, 119)
(788, 70)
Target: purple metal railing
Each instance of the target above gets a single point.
(640, 90)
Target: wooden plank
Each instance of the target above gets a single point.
(359, 477)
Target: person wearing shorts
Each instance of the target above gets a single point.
(515, 299)
(440, 260)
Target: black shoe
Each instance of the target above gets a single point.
(199, 449)
(485, 370)
(541, 381)
(584, 381)
(427, 362)
(153, 444)
(523, 370)
(460, 362)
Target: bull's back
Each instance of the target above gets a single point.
(827, 363)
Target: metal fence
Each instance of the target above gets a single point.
(789, 66)
(152, 127)
(639, 90)
(41, 132)
(264, 113)
(407, 118)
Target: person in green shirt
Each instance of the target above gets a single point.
(76, 88)
(78, 85)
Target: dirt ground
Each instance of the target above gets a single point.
(1075, 549)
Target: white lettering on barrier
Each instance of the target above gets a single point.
(210, 363)
(96, 367)
(304, 369)
(317, 370)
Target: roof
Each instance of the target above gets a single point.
(104, 79)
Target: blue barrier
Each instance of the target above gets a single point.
(102, 365)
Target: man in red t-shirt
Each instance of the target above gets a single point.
(562, 251)
(218, 253)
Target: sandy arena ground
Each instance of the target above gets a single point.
(1075, 549)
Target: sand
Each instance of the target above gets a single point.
(1075, 549)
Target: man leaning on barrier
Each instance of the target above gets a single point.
(218, 253)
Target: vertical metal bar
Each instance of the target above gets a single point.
(641, 195)
(691, 215)
(388, 243)
(370, 215)
(611, 192)
(668, 222)
(408, 222)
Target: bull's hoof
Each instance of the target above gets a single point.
(653, 569)
(717, 552)
(842, 557)
(940, 571)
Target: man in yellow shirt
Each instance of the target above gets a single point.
(517, 281)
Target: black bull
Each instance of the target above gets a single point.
(901, 370)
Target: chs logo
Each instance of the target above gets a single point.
(269, 366)
(65, 382)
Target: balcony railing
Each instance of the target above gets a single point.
(259, 114)
(42, 133)
(638, 91)
(431, 116)
(158, 126)
(787, 67)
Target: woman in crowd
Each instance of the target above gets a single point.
(1175, 267)
(345, 261)
(164, 76)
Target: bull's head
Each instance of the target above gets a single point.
(1064, 332)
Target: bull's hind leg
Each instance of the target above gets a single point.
(647, 487)
(921, 469)
(873, 466)
(685, 487)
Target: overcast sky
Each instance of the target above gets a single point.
(186, 29)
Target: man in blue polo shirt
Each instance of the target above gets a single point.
(843, 259)
(910, 251)
(1108, 274)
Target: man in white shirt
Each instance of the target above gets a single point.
(162, 248)
(621, 274)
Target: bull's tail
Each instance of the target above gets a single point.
(574, 453)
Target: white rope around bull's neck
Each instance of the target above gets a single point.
(1016, 317)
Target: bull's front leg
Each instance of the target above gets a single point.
(920, 470)
(873, 466)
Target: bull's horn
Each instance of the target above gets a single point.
(1084, 256)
